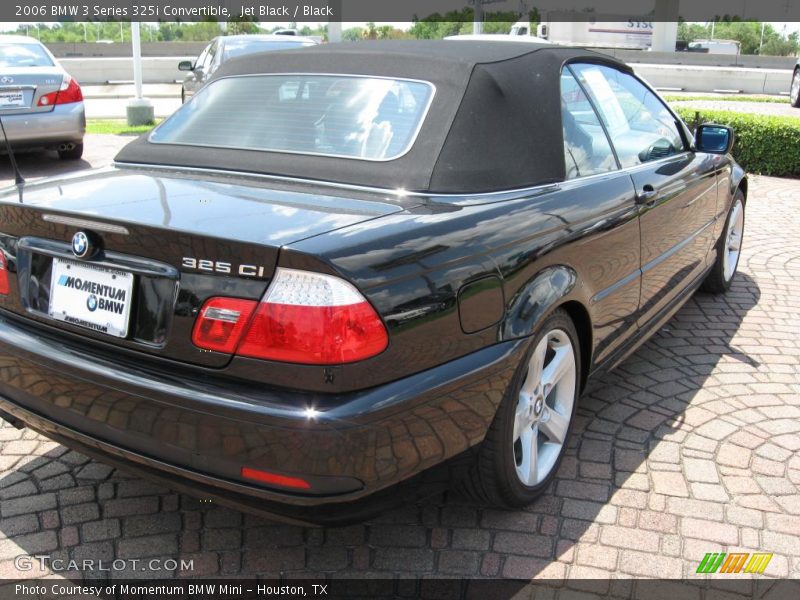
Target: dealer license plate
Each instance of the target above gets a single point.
(92, 297)
(11, 99)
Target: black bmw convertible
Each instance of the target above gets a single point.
(340, 269)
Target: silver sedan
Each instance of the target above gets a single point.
(41, 105)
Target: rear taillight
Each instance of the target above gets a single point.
(69, 92)
(221, 323)
(3, 275)
(306, 318)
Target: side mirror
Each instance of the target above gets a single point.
(185, 65)
(715, 139)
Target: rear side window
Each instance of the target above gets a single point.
(640, 126)
(24, 55)
(586, 147)
(366, 118)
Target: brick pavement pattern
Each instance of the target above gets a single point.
(690, 447)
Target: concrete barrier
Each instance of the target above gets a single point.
(709, 79)
(117, 49)
(691, 78)
(94, 71)
(700, 59)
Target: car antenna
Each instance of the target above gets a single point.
(18, 178)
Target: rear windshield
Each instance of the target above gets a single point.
(235, 48)
(24, 55)
(346, 116)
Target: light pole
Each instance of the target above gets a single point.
(140, 110)
(477, 20)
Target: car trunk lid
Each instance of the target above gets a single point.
(21, 88)
(166, 243)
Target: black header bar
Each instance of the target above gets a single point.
(393, 10)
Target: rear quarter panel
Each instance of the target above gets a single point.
(411, 266)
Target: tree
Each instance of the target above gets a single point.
(353, 34)
(748, 34)
(437, 26)
(777, 45)
(689, 32)
(370, 31)
(237, 26)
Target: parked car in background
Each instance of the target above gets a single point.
(224, 48)
(794, 89)
(40, 103)
(730, 47)
(337, 268)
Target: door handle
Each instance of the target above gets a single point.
(647, 196)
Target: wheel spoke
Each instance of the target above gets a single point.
(562, 362)
(734, 221)
(528, 469)
(522, 418)
(555, 426)
(535, 366)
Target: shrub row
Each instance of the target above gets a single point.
(726, 98)
(765, 144)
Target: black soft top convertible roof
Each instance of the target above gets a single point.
(494, 123)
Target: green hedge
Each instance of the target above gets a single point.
(726, 98)
(769, 145)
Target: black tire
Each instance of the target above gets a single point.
(493, 478)
(74, 154)
(794, 98)
(183, 95)
(716, 282)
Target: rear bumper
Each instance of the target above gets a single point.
(194, 433)
(65, 123)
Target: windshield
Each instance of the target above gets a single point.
(24, 55)
(235, 48)
(333, 115)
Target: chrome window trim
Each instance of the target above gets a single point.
(334, 184)
(410, 144)
(510, 193)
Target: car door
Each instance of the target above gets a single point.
(190, 81)
(676, 188)
(210, 63)
(608, 256)
(213, 60)
(202, 69)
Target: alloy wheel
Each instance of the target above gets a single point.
(544, 408)
(733, 244)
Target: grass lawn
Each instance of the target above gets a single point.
(116, 127)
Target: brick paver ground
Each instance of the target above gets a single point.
(691, 446)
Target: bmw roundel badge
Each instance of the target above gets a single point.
(91, 303)
(81, 245)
